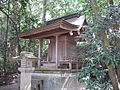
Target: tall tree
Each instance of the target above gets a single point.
(102, 51)
(6, 39)
(115, 26)
(105, 42)
(44, 11)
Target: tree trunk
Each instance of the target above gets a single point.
(6, 39)
(118, 72)
(17, 48)
(111, 69)
(117, 44)
(44, 11)
(115, 27)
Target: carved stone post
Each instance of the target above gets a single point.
(26, 69)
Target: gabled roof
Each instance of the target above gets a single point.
(55, 27)
(63, 18)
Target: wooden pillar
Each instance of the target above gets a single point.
(70, 65)
(77, 66)
(65, 47)
(56, 44)
(40, 51)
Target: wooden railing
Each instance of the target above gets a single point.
(70, 63)
(67, 63)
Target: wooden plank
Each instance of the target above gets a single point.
(51, 50)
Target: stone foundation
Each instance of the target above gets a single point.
(42, 81)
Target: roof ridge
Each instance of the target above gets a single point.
(63, 18)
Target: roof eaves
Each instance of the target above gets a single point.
(42, 29)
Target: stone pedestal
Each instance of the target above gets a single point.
(25, 69)
(47, 81)
(25, 78)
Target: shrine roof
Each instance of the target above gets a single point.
(63, 18)
(54, 27)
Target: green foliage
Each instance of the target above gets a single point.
(19, 19)
(57, 8)
(95, 55)
(27, 14)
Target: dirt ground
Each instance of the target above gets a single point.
(14, 85)
(10, 87)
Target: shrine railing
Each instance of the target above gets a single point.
(70, 63)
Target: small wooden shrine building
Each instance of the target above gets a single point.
(61, 33)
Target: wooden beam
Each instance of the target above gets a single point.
(48, 34)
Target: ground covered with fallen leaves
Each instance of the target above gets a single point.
(9, 82)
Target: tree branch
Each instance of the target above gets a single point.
(7, 15)
(111, 2)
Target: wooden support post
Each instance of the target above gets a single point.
(70, 65)
(56, 37)
(65, 48)
(40, 51)
(77, 66)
